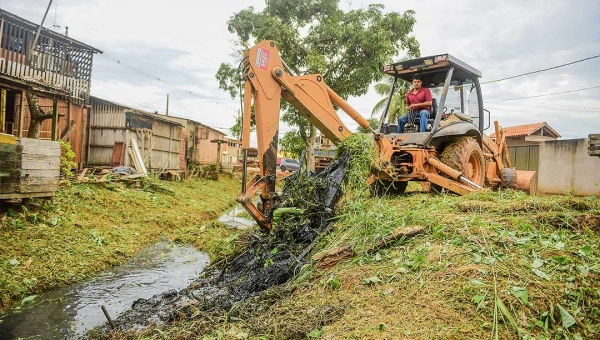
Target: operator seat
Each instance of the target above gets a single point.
(393, 128)
(432, 114)
(433, 110)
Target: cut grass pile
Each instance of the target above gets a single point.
(362, 151)
(499, 265)
(87, 228)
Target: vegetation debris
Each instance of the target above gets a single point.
(269, 259)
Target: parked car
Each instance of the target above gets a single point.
(288, 164)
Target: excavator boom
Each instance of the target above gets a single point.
(267, 79)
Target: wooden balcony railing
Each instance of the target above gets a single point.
(56, 61)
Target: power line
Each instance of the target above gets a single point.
(543, 95)
(563, 105)
(538, 71)
(159, 79)
(539, 108)
(148, 106)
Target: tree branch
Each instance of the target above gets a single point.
(42, 117)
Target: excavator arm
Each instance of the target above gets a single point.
(267, 79)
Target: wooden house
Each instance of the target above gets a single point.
(115, 129)
(523, 143)
(529, 134)
(199, 142)
(56, 70)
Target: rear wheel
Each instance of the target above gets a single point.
(465, 155)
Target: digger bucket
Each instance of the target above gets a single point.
(520, 180)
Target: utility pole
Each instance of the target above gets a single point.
(37, 34)
(167, 104)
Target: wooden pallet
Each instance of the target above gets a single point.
(594, 148)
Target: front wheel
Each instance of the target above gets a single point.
(465, 155)
(282, 167)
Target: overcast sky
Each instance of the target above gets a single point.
(183, 42)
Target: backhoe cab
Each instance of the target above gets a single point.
(454, 154)
(456, 91)
(454, 147)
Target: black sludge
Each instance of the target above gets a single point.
(269, 260)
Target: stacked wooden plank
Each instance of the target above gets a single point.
(594, 148)
(29, 167)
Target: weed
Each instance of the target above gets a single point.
(66, 161)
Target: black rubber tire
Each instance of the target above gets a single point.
(383, 188)
(465, 155)
(282, 167)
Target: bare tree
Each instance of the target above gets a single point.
(37, 116)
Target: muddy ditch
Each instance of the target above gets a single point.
(269, 259)
(71, 311)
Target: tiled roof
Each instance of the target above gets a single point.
(525, 130)
(522, 130)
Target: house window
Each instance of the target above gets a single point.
(203, 134)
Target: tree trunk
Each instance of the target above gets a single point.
(37, 117)
(310, 148)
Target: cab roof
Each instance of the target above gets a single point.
(432, 69)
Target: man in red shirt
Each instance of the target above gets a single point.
(418, 101)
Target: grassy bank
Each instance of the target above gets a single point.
(499, 265)
(89, 227)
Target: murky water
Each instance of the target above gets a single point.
(70, 311)
(237, 218)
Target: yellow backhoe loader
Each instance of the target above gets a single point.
(453, 154)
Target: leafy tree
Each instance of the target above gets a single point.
(347, 47)
(373, 123)
(236, 130)
(397, 104)
(292, 144)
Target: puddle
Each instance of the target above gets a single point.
(69, 312)
(238, 217)
(232, 218)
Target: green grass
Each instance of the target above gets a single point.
(497, 265)
(88, 227)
